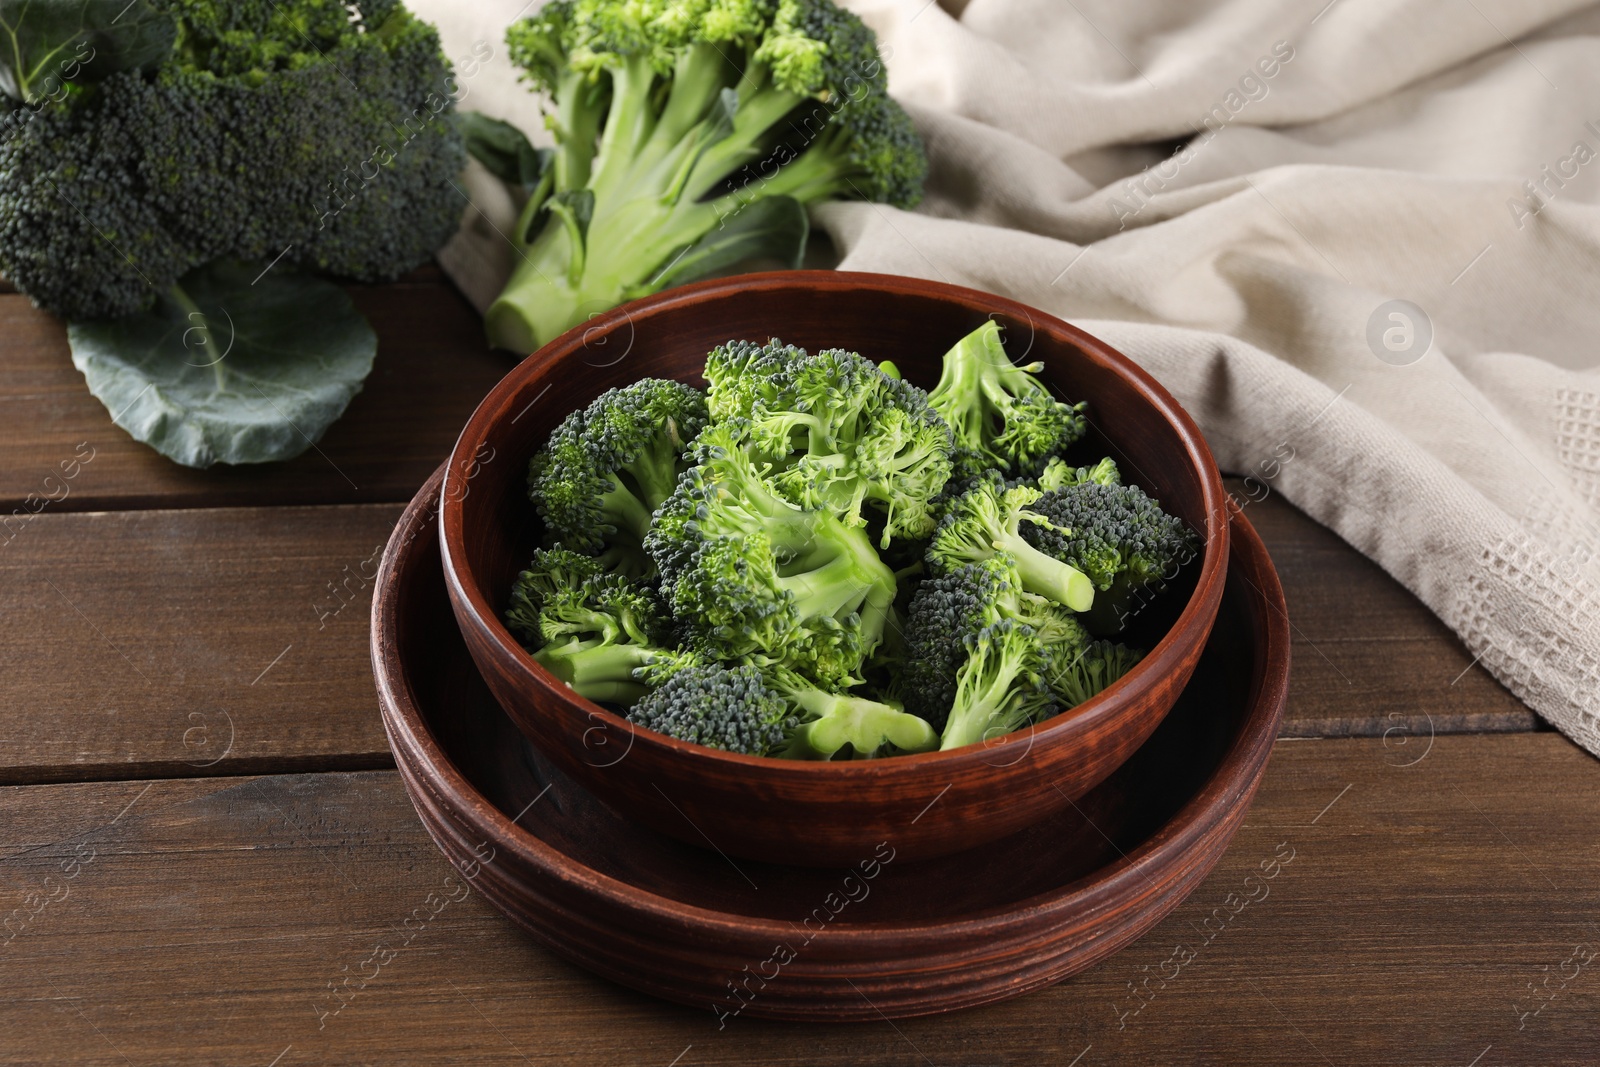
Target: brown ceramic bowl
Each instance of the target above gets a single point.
(681, 922)
(825, 813)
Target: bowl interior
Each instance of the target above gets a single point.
(905, 320)
(471, 753)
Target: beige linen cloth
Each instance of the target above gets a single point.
(1235, 193)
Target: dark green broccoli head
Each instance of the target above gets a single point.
(1003, 417)
(1110, 530)
(835, 432)
(944, 614)
(727, 708)
(608, 467)
(743, 709)
(308, 128)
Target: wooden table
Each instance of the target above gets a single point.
(201, 830)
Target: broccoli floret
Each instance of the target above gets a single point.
(605, 637)
(1099, 663)
(690, 134)
(949, 611)
(985, 521)
(608, 467)
(835, 432)
(749, 575)
(1001, 687)
(741, 710)
(1058, 473)
(720, 707)
(315, 130)
(1115, 534)
(1003, 417)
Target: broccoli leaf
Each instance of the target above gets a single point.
(774, 228)
(503, 149)
(231, 365)
(46, 42)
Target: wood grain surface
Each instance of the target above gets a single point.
(432, 368)
(1370, 658)
(1393, 914)
(189, 642)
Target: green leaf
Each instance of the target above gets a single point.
(503, 149)
(235, 364)
(773, 228)
(46, 42)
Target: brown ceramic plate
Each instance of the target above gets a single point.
(827, 813)
(881, 934)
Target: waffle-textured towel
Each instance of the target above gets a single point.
(1358, 239)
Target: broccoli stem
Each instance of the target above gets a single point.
(1047, 576)
(626, 511)
(576, 124)
(829, 565)
(599, 672)
(978, 712)
(837, 720)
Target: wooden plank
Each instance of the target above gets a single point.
(190, 642)
(1369, 658)
(1409, 912)
(433, 367)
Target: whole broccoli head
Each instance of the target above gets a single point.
(609, 466)
(690, 134)
(313, 129)
(1003, 417)
(741, 709)
(605, 637)
(750, 575)
(835, 432)
(989, 519)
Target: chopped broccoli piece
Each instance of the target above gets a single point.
(690, 134)
(835, 432)
(1115, 534)
(984, 521)
(608, 467)
(602, 635)
(1003, 417)
(319, 132)
(1002, 687)
(748, 574)
(739, 709)
(947, 612)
